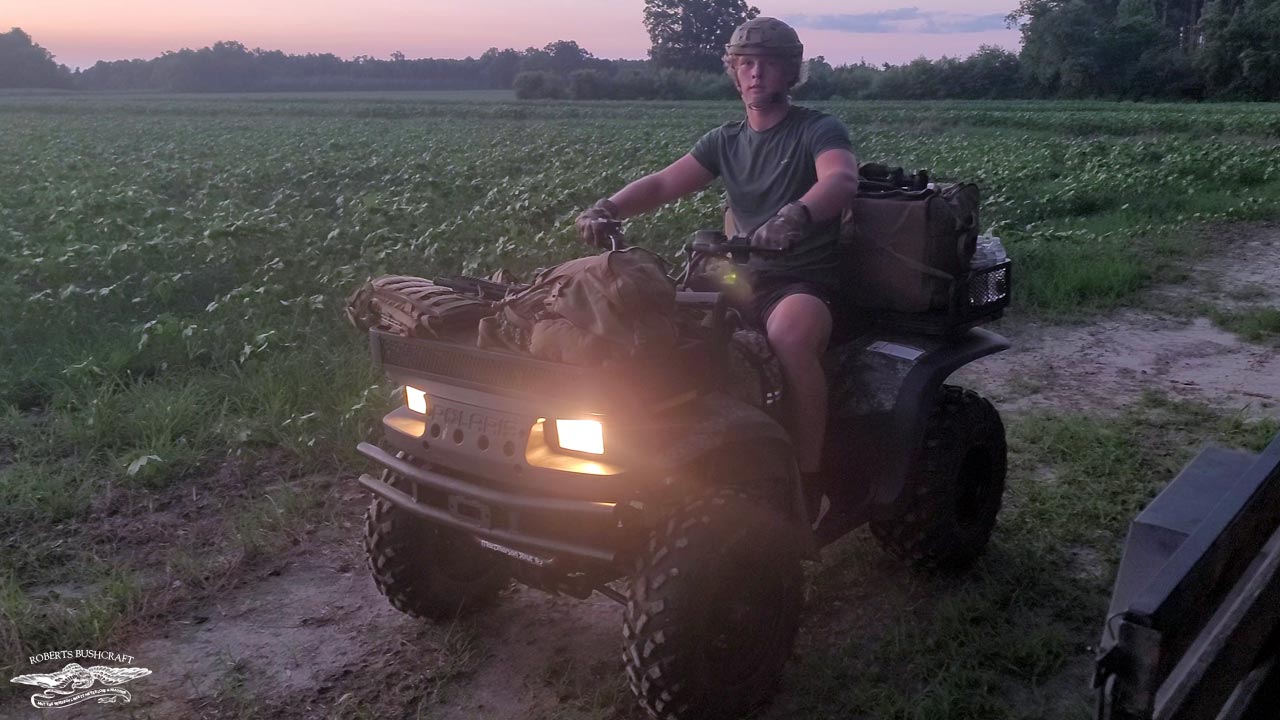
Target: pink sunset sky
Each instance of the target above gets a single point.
(81, 32)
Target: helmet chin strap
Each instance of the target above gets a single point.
(777, 98)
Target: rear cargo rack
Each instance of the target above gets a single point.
(977, 298)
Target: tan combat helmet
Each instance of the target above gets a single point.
(765, 36)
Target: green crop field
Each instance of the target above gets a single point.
(173, 270)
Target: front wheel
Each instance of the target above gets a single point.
(424, 570)
(952, 499)
(713, 609)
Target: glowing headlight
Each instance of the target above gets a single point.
(586, 436)
(416, 400)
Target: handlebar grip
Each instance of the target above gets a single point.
(710, 241)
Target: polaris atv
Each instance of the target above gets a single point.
(654, 485)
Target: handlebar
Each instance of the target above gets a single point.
(712, 242)
(718, 244)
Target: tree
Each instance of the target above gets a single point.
(920, 79)
(538, 84)
(500, 66)
(566, 56)
(691, 34)
(1061, 43)
(1143, 57)
(588, 85)
(24, 64)
(1124, 48)
(821, 81)
(1241, 53)
(854, 81)
(992, 72)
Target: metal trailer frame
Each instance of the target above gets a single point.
(1194, 627)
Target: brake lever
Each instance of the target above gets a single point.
(613, 230)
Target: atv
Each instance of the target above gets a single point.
(658, 486)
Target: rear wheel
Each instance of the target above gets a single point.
(713, 609)
(424, 570)
(952, 501)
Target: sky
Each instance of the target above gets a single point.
(81, 32)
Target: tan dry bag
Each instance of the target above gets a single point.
(907, 251)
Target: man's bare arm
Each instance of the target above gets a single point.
(837, 184)
(676, 180)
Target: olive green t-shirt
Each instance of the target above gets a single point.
(763, 171)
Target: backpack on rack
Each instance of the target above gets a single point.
(614, 305)
(906, 243)
(416, 307)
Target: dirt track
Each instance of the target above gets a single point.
(309, 636)
(1159, 347)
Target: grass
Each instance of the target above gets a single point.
(34, 624)
(926, 647)
(1065, 277)
(427, 680)
(281, 515)
(1248, 292)
(1255, 324)
(233, 695)
(1012, 639)
(100, 602)
(594, 690)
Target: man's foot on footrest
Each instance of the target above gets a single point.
(824, 506)
(817, 504)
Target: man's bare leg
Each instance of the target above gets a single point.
(799, 327)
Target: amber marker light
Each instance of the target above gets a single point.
(416, 400)
(584, 436)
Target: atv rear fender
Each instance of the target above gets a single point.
(883, 387)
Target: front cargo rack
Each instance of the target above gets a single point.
(638, 382)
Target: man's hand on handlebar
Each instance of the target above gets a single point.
(783, 230)
(598, 225)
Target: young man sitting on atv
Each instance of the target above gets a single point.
(789, 172)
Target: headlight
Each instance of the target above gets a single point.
(416, 400)
(585, 436)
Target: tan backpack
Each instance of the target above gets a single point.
(415, 307)
(622, 298)
(906, 244)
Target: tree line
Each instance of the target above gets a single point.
(1226, 49)
(1123, 49)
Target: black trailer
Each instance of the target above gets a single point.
(1193, 631)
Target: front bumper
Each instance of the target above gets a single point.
(535, 523)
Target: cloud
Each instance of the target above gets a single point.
(901, 20)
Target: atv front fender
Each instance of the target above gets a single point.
(716, 441)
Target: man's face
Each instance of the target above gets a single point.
(761, 77)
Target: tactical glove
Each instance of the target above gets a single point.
(598, 223)
(782, 230)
